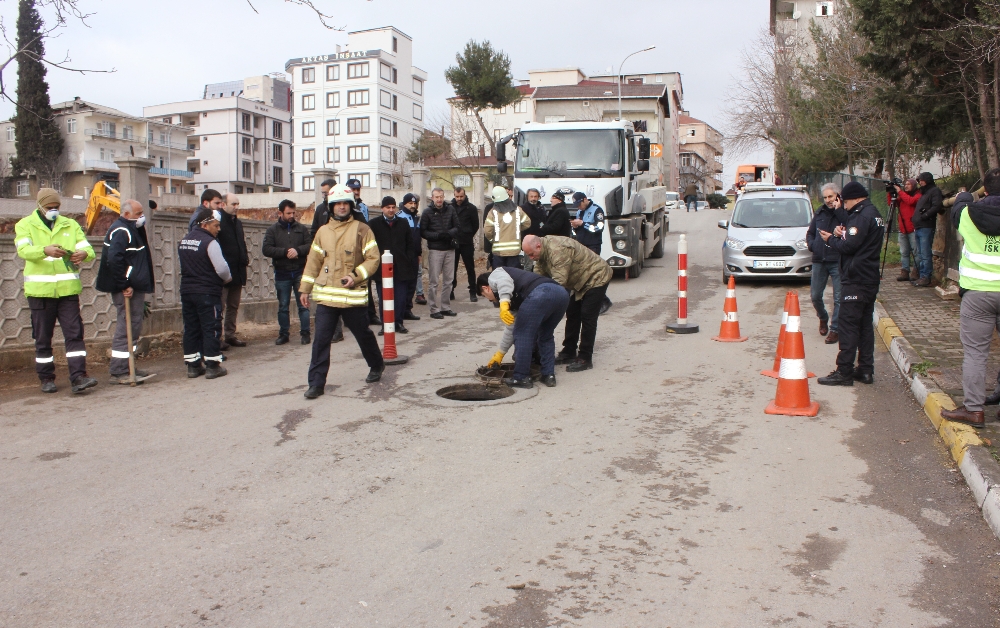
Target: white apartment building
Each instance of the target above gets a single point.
(237, 145)
(357, 110)
(94, 137)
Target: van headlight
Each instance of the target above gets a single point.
(802, 245)
(736, 245)
(619, 229)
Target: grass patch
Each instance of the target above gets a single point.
(921, 368)
(890, 255)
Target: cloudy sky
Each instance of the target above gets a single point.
(167, 51)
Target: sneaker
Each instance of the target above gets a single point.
(449, 313)
(836, 378)
(313, 392)
(282, 340)
(410, 316)
(48, 386)
(82, 383)
(374, 375)
(421, 300)
(306, 339)
(579, 365)
(437, 315)
(215, 370)
(513, 382)
(235, 342)
(195, 370)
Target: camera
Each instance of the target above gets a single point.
(890, 186)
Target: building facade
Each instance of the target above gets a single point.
(94, 137)
(236, 144)
(790, 23)
(357, 110)
(700, 150)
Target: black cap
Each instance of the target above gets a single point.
(853, 190)
(577, 198)
(354, 184)
(410, 198)
(388, 200)
(559, 195)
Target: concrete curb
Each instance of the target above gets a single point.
(980, 469)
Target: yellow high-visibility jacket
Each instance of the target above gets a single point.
(340, 249)
(44, 276)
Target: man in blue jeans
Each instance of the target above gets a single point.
(287, 243)
(931, 204)
(826, 261)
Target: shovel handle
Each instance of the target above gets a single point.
(128, 334)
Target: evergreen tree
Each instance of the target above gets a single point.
(482, 80)
(38, 142)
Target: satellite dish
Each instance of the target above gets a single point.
(796, 15)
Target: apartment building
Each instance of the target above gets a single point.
(357, 110)
(96, 135)
(236, 144)
(700, 150)
(790, 23)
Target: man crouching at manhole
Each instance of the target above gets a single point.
(540, 304)
(344, 255)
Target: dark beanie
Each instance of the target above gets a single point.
(927, 178)
(388, 200)
(853, 190)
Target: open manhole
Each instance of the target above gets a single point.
(475, 392)
(495, 374)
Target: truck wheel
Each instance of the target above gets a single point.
(657, 252)
(635, 270)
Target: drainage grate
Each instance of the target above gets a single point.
(475, 392)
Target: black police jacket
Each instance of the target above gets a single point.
(861, 245)
(825, 219)
(126, 261)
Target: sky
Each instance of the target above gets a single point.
(165, 52)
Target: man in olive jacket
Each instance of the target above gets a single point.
(586, 276)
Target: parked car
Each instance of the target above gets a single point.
(674, 201)
(766, 238)
(702, 205)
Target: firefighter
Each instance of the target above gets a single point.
(52, 247)
(343, 256)
(503, 228)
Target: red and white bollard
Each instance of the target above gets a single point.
(682, 326)
(389, 354)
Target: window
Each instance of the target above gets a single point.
(395, 130)
(308, 75)
(395, 75)
(277, 152)
(357, 70)
(385, 126)
(357, 125)
(521, 106)
(128, 132)
(461, 181)
(10, 134)
(23, 188)
(238, 188)
(385, 180)
(692, 132)
(308, 102)
(308, 184)
(168, 120)
(395, 44)
(385, 99)
(358, 153)
(363, 177)
(309, 156)
(418, 111)
(357, 97)
(496, 135)
(308, 129)
(278, 176)
(385, 154)
(824, 9)
(256, 122)
(468, 137)
(71, 125)
(332, 100)
(394, 102)
(247, 173)
(333, 127)
(685, 160)
(333, 72)
(385, 71)
(106, 128)
(277, 130)
(418, 86)
(246, 121)
(332, 155)
(247, 146)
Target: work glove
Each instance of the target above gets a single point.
(496, 359)
(505, 314)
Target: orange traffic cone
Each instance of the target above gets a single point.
(729, 331)
(773, 372)
(792, 395)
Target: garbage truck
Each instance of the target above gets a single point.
(609, 162)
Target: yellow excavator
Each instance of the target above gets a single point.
(103, 195)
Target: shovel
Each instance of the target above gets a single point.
(128, 332)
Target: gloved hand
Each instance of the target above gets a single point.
(496, 359)
(505, 315)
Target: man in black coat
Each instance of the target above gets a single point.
(536, 212)
(826, 261)
(126, 271)
(287, 243)
(234, 250)
(321, 215)
(931, 204)
(556, 221)
(468, 226)
(392, 233)
(439, 226)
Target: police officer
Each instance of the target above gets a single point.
(588, 223)
(204, 272)
(859, 243)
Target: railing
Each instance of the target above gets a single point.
(132, 137)
(167, 172)
(100, 164)
(169, 144)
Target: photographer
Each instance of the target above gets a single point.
(931, 204)
(908, 196)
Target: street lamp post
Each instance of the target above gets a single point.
(335, 120)
(620, 77)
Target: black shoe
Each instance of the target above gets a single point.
(473, 297)
(337, 338)
(421, 300)
(313, 392)
(215, 370)
(437, 315)
(836, 378)
(578, 365)
(410, 316)
(82, 383)
(375, 321)
(235, 342)
(549, 380)
(448, 313)
(864, 378)
(306, 339)
(282, 340)
(374, 375)
(513, 382)
(195, 370)
(564, 358)
(48, 387)
(400, 329)
(994, 398)
(606, 305)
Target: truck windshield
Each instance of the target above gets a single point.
(761, 213)
(578, 153)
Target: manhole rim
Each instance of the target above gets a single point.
(426, 393)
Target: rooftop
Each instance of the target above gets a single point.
(597, 91)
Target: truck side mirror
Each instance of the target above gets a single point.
(502, 167)
(642, 165)
(644, 148)
(501, 151)
(723, 224)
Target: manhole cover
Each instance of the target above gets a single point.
(475, 392)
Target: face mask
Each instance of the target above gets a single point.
(140, 221)
(51, 214)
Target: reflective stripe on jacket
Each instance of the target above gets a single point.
(341, 249)
(44, 276)
(979, 268)
(503, 229)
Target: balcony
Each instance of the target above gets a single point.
(112, 135)
(182, 146)
(100, 164)
(167, 172)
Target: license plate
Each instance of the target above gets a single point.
(757, 263)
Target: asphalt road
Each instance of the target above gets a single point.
(650, 491)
